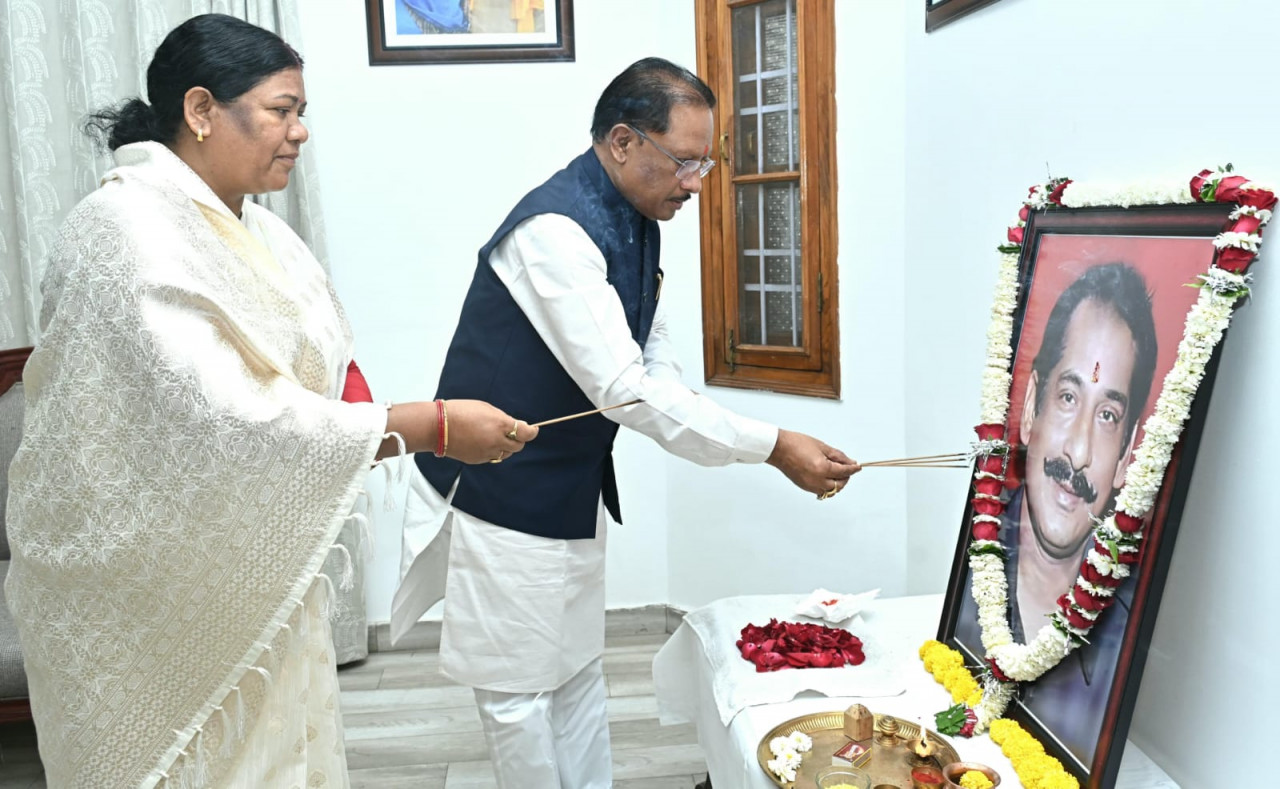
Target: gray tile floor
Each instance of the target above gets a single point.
(407, 726)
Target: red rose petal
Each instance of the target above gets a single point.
(989, 432)
(986, 531)
(1234, 259)
(1127, 523)
(1198, 182)
(781, 645)
(1229, 188)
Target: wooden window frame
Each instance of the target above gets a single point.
(814, 369)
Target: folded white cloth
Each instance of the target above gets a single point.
(736, 683)
(834, 607)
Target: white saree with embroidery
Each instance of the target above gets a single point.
(184, 472)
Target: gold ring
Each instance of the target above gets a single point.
(514, 427)
(501, 456)
(828, 494)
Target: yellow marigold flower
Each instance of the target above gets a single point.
(1059, 781)
(1019, 748)
(1002, 728)
(973, 779)
(1032, 768)
(974, 698)
(928, 646)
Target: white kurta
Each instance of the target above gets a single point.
(526, 613)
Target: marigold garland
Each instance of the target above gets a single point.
(1035, 768)
(947, 667)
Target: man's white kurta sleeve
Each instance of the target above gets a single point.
(558, 278)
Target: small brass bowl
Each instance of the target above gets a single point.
(953, 771)
(843, 776)
(926, 777)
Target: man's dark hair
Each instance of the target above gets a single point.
(1120, 287)
(644, 94)
(228, 56)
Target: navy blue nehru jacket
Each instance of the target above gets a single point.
(551, 489)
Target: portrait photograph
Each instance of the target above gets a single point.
(427, 31)
(1096, 331)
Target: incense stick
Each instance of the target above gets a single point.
(916, 465)
(947, 458)
(586, 413)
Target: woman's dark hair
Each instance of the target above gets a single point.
(228, 56)
(644, 94)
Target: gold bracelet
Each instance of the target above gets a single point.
(444, 445)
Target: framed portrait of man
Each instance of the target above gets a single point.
(1102, 303)
(470, 31)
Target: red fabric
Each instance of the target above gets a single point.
(356, 389)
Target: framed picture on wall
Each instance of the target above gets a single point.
(1100, 363)
(939, 12)
(468, 31)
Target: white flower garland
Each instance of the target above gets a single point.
(1205, 324)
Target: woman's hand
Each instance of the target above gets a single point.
(481, 433)
(477, 432)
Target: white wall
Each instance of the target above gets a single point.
(1103, 90)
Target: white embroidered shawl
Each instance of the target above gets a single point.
(183, 471)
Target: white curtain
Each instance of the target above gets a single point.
(60, 60)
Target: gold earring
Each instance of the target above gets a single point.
(200, 135)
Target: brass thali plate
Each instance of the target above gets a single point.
(888, 764)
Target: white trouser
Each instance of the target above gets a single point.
(558, 739)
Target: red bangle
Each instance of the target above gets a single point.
(441, 439)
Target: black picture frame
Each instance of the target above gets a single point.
(940, 12)
(1196, 221)
(389, 46)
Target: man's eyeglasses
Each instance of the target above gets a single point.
(684, 167)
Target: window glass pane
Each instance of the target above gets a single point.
(769, 266)
(765, 71)
(780, 319)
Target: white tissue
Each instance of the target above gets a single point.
(845, 607)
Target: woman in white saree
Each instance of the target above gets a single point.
(186, 464)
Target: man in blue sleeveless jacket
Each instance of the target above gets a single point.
(562, 317)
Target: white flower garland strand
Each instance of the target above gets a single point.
(1205, 325)
(996, 378)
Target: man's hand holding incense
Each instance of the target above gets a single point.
(811, 464)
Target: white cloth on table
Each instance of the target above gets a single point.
(683, 678)
(550, 740)
(523, 614)
(834, 607)
(735, 683)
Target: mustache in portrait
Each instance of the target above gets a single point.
(1060, 470)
